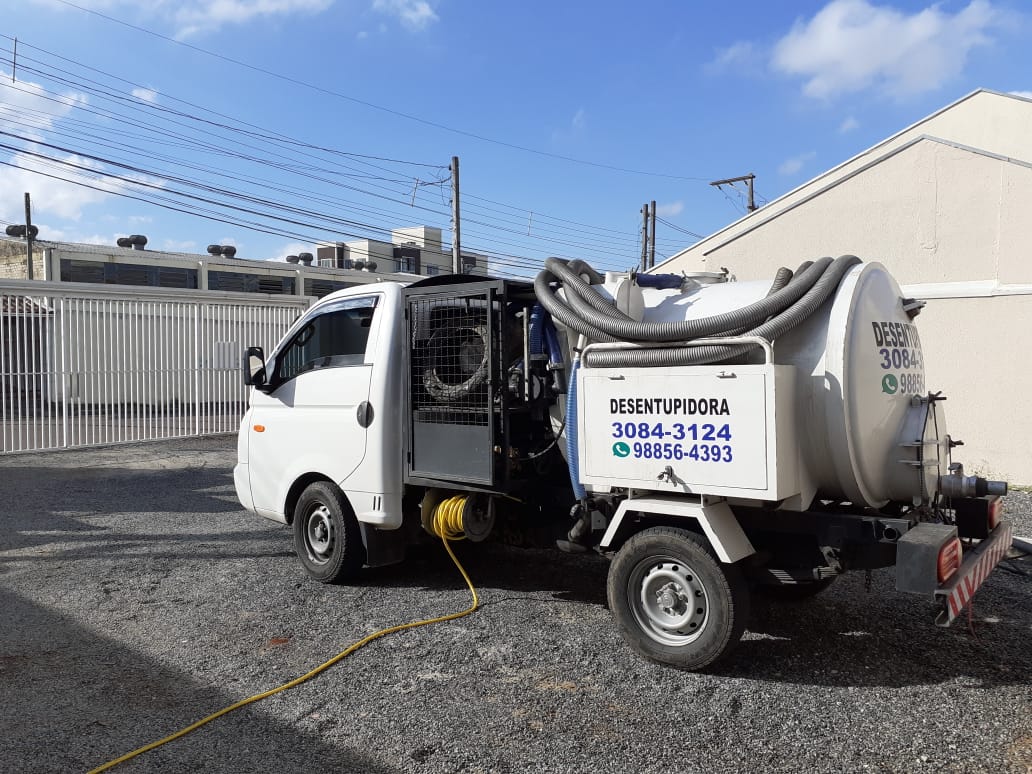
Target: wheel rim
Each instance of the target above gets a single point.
(318, 533)
(668, 600)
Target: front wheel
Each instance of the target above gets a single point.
(673, 600)
(327, 538)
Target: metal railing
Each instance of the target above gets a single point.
(84, 365)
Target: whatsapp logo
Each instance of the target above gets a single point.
(620, 449)
(889, 384)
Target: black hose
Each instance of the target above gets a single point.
(593, 310)
(776, 326)
(791, 299)
(782, 278)
(561, 312)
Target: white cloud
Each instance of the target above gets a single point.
(1024, 94)
(741, 54)
(290, 248)
(49, 196)
(192, 18)
(58, 234)
(53, 196)
(29, 102)
(414, 14)
(179, 246)
(147, 95)
(669, 210)
(854, 45)
(91, 239)
(198, 17)
(578, 123)
(362, 35)
(791, 166)
(848, 125)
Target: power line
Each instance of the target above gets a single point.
(153, 133)
(668, 224)
(145, 107)
(77, 104)
(365, 103)
(259, 130)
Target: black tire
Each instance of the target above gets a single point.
(327, 538)
(793, 592)
(652, 580)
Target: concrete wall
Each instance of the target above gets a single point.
(12, 260)
(423, 236)
(380, 253)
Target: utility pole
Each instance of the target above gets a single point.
(743, 178)
(644, 235)
(456, 247)
(28, 233)
(652, 235)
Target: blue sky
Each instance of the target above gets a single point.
(548, 105)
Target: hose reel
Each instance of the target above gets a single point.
(456, 517)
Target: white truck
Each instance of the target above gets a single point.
(714, 438)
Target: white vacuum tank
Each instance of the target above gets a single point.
(866, 429)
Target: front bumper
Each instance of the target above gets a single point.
(957, 592)
(242, 482)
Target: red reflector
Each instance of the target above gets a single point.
(995, 511)
(949, 559)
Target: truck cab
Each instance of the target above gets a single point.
(325, 408)
(383, 394)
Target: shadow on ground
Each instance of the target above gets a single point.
(847, 636)
(61, 681)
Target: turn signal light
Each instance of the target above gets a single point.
(259, 428)
(949, 559)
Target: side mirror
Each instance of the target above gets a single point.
(254, 368)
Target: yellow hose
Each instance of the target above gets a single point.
(447, 524)
(447, 521)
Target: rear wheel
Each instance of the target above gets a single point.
(327, 538)
(674, 601)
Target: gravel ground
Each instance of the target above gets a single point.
(137, 597)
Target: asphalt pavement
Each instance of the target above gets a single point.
(136, 597)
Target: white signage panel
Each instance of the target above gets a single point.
(704, 427)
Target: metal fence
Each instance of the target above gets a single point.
(88, 365)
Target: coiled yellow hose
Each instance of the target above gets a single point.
(447, 525)
(447, 521)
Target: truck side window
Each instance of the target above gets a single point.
(337, 337)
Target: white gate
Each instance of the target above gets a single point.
(83, 365)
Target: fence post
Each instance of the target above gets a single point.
(197, 369)
(64, 372)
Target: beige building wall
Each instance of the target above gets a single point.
(945, 206)
(975, 352)
(931, 212)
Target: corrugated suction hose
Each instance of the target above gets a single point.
(792, 299)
